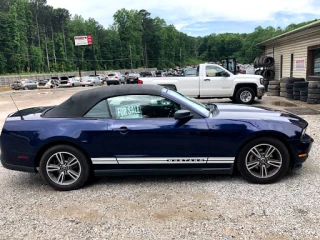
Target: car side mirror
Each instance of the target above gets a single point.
(183, 115)
(225, 74)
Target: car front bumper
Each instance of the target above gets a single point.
(260, 91)
(301, 150)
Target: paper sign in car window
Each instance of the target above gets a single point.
(129, 111)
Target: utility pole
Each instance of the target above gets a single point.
(131, 57)
(145, 47)
(180, 58)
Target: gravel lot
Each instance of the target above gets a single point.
(159, 207)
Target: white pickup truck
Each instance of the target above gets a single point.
(214, 81)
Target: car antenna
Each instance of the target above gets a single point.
(17, 108)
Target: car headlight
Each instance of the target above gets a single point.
(261, 80)
(304, 131)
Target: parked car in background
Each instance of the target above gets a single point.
(215, 81)
(102, 77)
(48, 83)
(133, 78)
(90, 81)
(24, 84)
(72, 81)
(113, 78)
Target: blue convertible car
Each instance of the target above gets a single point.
(148, 129)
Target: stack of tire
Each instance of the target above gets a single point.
(290, 93)
(274, 88)
(300, 91)
(313, 93)
(264, 62)
(283, 87)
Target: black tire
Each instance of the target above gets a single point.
(257, 72)
(304, 93)
(283, 94)
(283, 85)
(296, 93)
(289, 91)
(83, 85)
(26, 88)
(314, 84)
(296, 97)
(314, 90)
(313, 101)
(273, 93)
(245, 90)
(83, 164)
(274, 87)
(289, 96)
(293, 80)
(284, 80)
(72, 85)
(277, 83)
(289, 85)
(256, 63)
(268, 74)
(303, 98)
(314, 95)
(301, 84)
(296, 89)
(245, 156)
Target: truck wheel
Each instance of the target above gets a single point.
(245, 95)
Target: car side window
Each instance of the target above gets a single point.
(100, 110)
(142, 106)
(214, 71)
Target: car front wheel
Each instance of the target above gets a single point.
(263, 160)
(64, 168)
(245, 95)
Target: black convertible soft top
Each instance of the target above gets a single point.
(81, 102)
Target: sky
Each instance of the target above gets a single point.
(202, 17)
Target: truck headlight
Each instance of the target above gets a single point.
(261, 81)
(304, 131)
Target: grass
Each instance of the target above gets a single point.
(5, 88)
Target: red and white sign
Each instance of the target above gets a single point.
(300, 64)
(83, 40)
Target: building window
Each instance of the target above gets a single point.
(316, 62)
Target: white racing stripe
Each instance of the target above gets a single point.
(221, 160)
(104, 161)
(166, 160)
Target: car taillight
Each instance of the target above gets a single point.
(140, 81)
(68, 81)
(80, 80)
(106, 78)
(89, 80)
(116, 76)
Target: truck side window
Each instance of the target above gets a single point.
(214, 71)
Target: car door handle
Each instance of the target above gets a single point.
(121, 130)
(207, 79)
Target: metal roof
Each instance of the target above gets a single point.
(300, 29)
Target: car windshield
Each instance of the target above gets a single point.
(203, 109)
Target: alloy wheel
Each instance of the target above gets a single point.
(263, 161)
(63, 168)
(245, 96)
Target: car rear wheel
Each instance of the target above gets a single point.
(64, 168)
(245, 95)
(26, 88)
(264, 160)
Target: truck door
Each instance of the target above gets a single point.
(215, 81)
